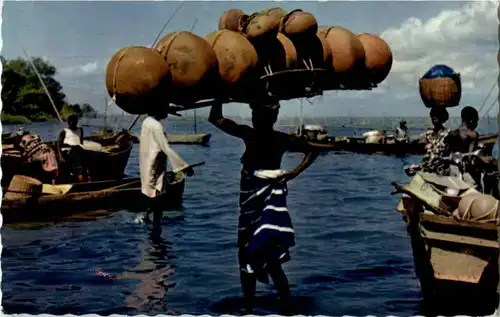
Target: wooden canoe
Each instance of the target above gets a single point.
(201, 139)
(453, 258)
(103, 165)
(76, 198)
(414, 147)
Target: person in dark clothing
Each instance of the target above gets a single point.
(264, 149)
(465, 139)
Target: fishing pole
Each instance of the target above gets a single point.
(43, 85)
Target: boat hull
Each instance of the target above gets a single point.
(415, 147)
(101, 165)
(87, 197)
(201, 139)
(455, 261)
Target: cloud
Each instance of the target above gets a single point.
(465, 39)
(81, 70)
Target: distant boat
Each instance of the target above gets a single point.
(200, 139)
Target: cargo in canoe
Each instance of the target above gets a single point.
(107, 159)
(57, 202)
(455, 260)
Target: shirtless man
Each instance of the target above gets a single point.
(465, 138)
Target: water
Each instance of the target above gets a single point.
(352, 255)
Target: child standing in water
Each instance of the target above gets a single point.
(264, 232)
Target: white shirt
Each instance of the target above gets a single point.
(154, 154)
(72, 137)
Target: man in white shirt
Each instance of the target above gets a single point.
(154, 154)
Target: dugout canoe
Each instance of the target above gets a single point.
(107, 162)
(201, 139)
(61, 201)
(414, 147)
(455, 260)
(194, 139)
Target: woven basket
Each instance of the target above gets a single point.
(22, 186)
(441, 92)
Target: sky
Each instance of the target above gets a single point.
(79, 38)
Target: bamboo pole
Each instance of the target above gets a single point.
(44, 87)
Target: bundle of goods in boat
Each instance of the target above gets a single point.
(440, 87)
(477, 207)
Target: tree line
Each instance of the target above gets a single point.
(24, 98)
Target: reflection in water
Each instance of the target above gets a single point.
(153, 272)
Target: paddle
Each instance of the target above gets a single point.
(191, 166)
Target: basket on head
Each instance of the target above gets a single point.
(22, 186)
(440, 87)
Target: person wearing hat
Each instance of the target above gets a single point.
(401, 135)
(264, 231)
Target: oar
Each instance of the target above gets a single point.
(191, 166)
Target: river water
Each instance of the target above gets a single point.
(352, 253)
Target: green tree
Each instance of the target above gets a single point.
(88, 111)
(22, 92)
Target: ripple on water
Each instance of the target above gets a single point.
(352, 254)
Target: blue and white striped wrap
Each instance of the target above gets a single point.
(265, 227)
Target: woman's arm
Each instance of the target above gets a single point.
(229, 126)
(308, 159)
(296, 144)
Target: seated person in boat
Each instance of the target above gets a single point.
(154, 153)
(71, 152)
(436, 145)
(401, 134)
(264, 149)
(33, 149)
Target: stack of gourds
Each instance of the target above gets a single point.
(184, 67)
